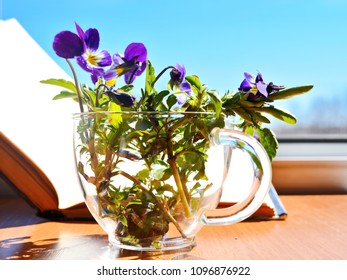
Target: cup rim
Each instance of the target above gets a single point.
(147, 113)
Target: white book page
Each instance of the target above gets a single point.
(39, 126)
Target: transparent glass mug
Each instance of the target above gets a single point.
(147, 176)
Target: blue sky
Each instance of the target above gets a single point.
(292, 42)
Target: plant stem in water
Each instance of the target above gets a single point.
(157, 202)
(172, 161)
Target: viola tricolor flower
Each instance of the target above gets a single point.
(67, 44)
(131, 65)
(178, 83)
(92, 58)
(108, 76)
(83, 47)
(121, 98)
(255, 87)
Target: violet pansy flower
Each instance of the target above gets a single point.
(83, 46)
(256, 87)
(67, 44)
(131, 65)
(121, 98)
(92, 58)
(178, 83)
(108, 76)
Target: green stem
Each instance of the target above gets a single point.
(93, 155)
(97, 94)
(181, 191)
(90, 139)
(172, 161)
(109, 156)
(161, 73)
(76, 85)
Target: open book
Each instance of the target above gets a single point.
(36, 150)
(37, 126)
(18, 171)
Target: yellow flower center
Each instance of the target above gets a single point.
(92, 58)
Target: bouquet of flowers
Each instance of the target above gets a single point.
(159, 193)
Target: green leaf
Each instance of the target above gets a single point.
(143, 124)
(231, 100)
(195, 82)
(172, 100)
(61, 83)
(243, 114)
(202, 126)
(289, 92)
(150, 78)
(65, 94)
(251, 104)
(126, 88)
(249, 129)
(143, 174)
(280, 114)
(258, 117)
(159, 169)
(268, 139)
(160, 97)
(201, 175)
(216, 100)
(165, 188)
(115, 119)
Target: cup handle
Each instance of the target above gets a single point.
(261, 181)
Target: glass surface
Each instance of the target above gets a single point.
(149, 178)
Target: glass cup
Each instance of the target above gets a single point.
(153, 179)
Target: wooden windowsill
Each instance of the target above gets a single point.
(316, 228)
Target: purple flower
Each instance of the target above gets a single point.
(106, 75)
(68, 45)
(131, 65)
(91, 57)
(83, 46)
(178, 83)
(255, 87)
(121, 98)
